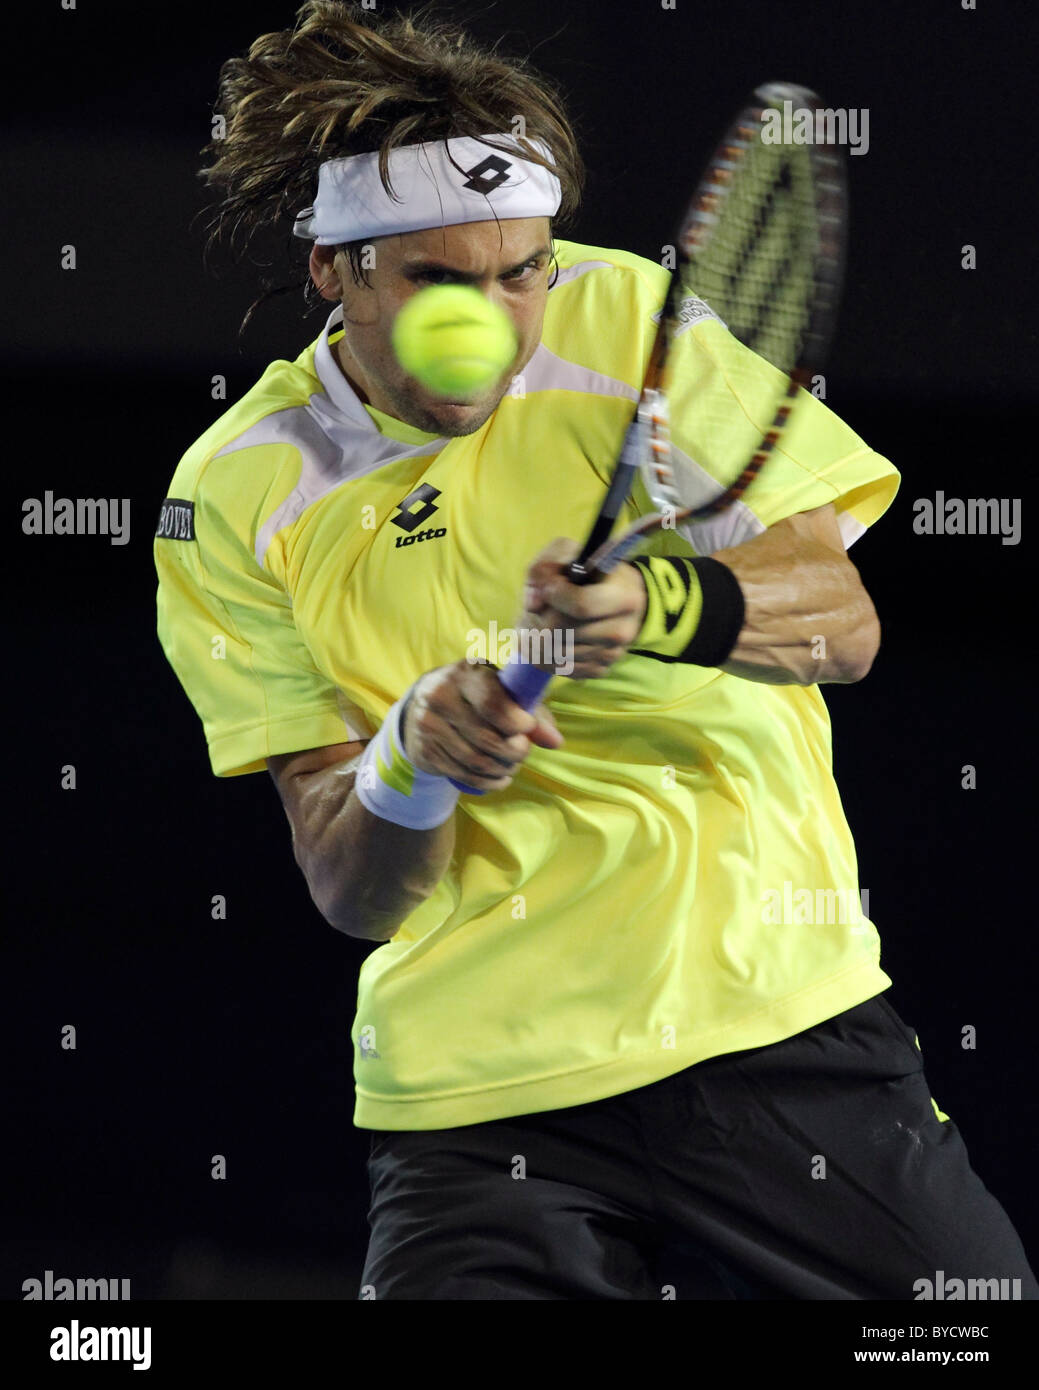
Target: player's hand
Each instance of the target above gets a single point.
(590, 625)
(462, 723)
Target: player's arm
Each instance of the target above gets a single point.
(807, 615)
(365, 871)
(365, 874)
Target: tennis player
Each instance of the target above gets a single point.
(608, 1045)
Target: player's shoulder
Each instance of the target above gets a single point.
(600, 308)
(611, 271)
(254, 436)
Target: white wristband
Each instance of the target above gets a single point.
(390, 786)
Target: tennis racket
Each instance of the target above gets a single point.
(761, 246)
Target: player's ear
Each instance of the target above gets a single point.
(323, 272)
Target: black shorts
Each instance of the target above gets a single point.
(813, 1168)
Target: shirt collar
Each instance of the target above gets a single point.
(345, 399)
(330, 374)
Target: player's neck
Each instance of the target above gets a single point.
(352, 376)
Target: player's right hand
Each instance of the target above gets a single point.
(462, 723)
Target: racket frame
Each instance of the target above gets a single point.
(646, 445)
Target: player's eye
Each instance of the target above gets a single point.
(436, 277)
(523, 273)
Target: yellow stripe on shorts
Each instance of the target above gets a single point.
(940, 1113)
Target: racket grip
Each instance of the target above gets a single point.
(526, 685)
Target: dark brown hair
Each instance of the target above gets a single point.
(344, 82)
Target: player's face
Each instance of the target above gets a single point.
(508, 261)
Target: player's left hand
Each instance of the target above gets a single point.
(592, 625)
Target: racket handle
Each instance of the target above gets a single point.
(526, 685)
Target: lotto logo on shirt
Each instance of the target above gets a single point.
(417, 508)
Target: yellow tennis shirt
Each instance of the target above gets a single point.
(675, 882)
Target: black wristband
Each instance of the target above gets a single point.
(722, 617)
(722, 609)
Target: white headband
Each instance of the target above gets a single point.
(352, 203)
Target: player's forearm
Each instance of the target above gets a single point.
(365, 874)
(808, 619)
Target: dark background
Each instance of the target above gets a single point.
(198, 1037)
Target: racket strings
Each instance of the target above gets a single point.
(756, 270)
(764, 253)
(763, 246)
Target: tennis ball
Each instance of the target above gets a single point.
(453, 339)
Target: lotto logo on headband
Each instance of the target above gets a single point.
(478, 183)
(438, 183)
